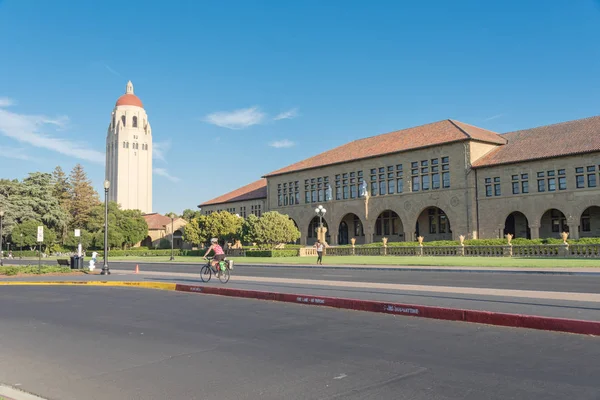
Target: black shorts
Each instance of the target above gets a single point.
(219, 257)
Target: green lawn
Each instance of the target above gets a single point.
(393, 260)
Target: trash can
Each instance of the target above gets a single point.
(74, 262)
(81, 260)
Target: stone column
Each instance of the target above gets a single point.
(334, 240)
(573, 230)
(535, 231)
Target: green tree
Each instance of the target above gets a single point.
(83, 198)
(14, 213)
(132, 225)
(115, 238)
(86, 239)
(223, 225)
(273, 228)
(195, 230)
(37, 193)
(29, 230)
(60, 187)
(188, 214)
(249, 229)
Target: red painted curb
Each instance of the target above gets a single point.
(450, 314)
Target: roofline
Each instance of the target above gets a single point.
(535, 159)
(466, 139)
(227, 202)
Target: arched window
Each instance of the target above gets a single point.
(135, 122)
(123, 120)
(113, 124)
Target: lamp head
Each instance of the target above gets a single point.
(106, 185)
(1, 213)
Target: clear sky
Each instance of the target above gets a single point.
(237, 89)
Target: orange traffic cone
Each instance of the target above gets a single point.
(137, 269)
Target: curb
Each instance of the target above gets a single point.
(10, 393)
(582, 327)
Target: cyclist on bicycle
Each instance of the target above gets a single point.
(219, 253)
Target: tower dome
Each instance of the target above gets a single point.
(129, 99)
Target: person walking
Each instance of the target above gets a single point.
(319, 246)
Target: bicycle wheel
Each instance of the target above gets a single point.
(224, 275)
(205, 273)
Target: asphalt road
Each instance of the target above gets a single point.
(73, 343)
(542, 282)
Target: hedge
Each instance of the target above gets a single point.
(271, 253)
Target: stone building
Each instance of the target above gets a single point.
(442, 180)
(249, 199)
(129, 154)
(162, 227)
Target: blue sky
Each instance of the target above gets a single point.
(236, 89)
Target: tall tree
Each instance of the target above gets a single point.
(36, 198)
(273, 228)
(195, 231)
(223, 225)
(61, 187)
(83, 197)
(133, 226)
(60, 190)
(29, 231)
(189, 214)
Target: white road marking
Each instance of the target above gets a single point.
(342, 376)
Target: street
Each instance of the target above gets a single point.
(71, 343)
(496, 280)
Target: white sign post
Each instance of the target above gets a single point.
(78, 234)
(40, 239)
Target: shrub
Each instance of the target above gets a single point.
(285, 253)
(33, 269)
(259, 253)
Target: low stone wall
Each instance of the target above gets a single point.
(534, 251)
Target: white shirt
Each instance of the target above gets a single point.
(319, 246)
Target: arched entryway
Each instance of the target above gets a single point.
(553, 223)
(589, 224)
(147, 242)
(296, 225)
(517, 225)
(389, 225)
(433, 224)
(351, 227)
(178, 239)
(311, 238)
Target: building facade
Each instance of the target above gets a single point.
(447, 179)
(161, 227)
(129, 154)
(247, 200)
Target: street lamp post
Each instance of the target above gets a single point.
(172, 236)
(105, 270)
(320, 210)
(1, 253)
(21, 247)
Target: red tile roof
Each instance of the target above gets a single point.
(253, 191)
(156, 221)
(563, 139)
(436, 133)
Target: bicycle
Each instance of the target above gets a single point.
(223, 273)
